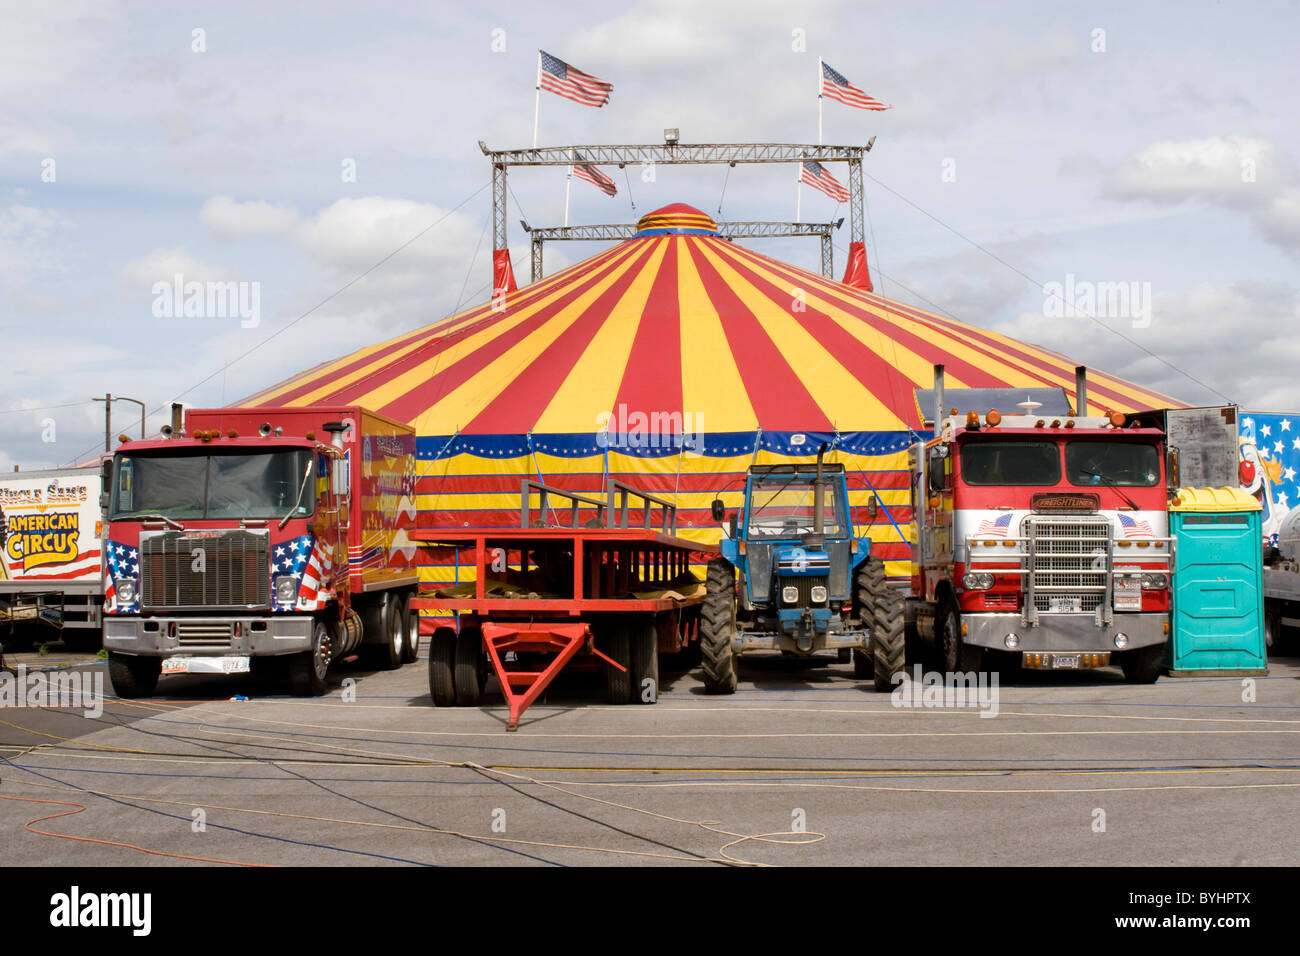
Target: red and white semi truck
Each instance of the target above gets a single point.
(1045, 537)
(256, 535)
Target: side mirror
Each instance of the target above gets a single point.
(103, 501)
(719, 509)
(1171, 468)
(938, 479)
(873, 508)
(734, 526)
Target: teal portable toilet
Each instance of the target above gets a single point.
(1217, 593)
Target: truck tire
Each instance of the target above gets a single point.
(957, 656)
(718, 659)
(411, 623)
(471, 667)
(885, 605)
(307, 671)
(645, 660)
(1144, 665)
(442, 667)
(1272, 629)
(388, 617)
(617, 644)
(132, 676)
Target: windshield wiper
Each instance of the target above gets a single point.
(155, 517)
(306, 473)
(1112, 483)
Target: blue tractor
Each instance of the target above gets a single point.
(806, 584)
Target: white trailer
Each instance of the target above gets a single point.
(51, 581)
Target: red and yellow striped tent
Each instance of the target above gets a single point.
(672, 361)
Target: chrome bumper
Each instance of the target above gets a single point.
(1064, 632)
(255, 636)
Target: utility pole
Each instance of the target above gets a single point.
(108, 420)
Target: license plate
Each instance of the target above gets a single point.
(1065, 605)
(1065, 662)
(205, 665)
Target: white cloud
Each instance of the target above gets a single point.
(230, 219)
(161, 265)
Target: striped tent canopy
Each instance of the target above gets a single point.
(672, 361)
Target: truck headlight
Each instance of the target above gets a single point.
(818, 595)
(286, 589)
(125, 588)
(1155, 582)
(977, 580)
(789, 594)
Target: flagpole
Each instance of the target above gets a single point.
(798, 194)
(819, 101)
(537, 101)
(568, 183)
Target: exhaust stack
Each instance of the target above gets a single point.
(1081, 390)
(938, 397)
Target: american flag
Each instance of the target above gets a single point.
(572, 83)
(837, 87)
(307, 560)
(594, 176)
(997, 528)
(120, 561)
(815, 175)
(1133, 528)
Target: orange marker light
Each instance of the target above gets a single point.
(1116, 419)
(994, 417)
(972, 420)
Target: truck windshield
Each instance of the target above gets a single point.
(1126, 463)
(208, 484)
(782, 507)
(1010, 463)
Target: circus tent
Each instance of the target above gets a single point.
(673, 360)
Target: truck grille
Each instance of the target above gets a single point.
(236, 570)
(193, 635)
(805, 584)
(1069, 563)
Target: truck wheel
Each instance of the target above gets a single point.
(442, 667)
(134, 676)
(307, 671)
(719, 660)
(886, 607)
(471, 667)
(1272, 629)
(957, 655)
(617, 643)
(645, 660)
(411, 623)
(1144, 665)
(388, 616)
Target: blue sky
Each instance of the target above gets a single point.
(1118, 156)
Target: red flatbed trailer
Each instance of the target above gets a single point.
(588, 609)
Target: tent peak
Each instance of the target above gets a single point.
(677, 219)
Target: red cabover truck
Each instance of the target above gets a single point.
(1043, 536)
(259, 535)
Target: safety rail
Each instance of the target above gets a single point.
(620, 509)
(545, 493)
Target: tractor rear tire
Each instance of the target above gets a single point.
(1144, 665)
(442, 667)
(618, 645)
(718, 659)
(133, 677)
(645, 660)
(885, 605)
(471, 667)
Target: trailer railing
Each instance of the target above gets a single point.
(545, 494)
(619, 497)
